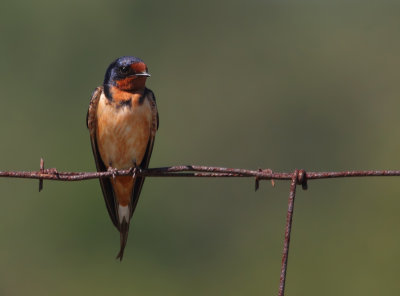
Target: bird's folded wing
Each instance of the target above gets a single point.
(91, 121)
(137, 186)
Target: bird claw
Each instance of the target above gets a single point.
(134, 170)
(113, 171)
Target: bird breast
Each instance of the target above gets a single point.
(123, 130)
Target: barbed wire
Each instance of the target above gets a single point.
(298, 177)
(192, 171)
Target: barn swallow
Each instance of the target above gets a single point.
(122, 120)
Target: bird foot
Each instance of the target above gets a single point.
(113, 171)
(134, 170)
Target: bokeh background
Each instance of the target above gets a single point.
(250, 84)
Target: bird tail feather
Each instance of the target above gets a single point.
(124, 230)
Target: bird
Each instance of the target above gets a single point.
(122, 120)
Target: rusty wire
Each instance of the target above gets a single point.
(289, 219)
(298, 177)
(192, 171)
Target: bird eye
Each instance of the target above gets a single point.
(124, 70)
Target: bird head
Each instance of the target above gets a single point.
(127, 74)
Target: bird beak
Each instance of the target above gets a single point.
(143, 74)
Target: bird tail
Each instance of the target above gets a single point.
(123, 230)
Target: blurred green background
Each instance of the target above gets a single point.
(270, 84)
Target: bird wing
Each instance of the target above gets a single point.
(137, 186)
(106, 187)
